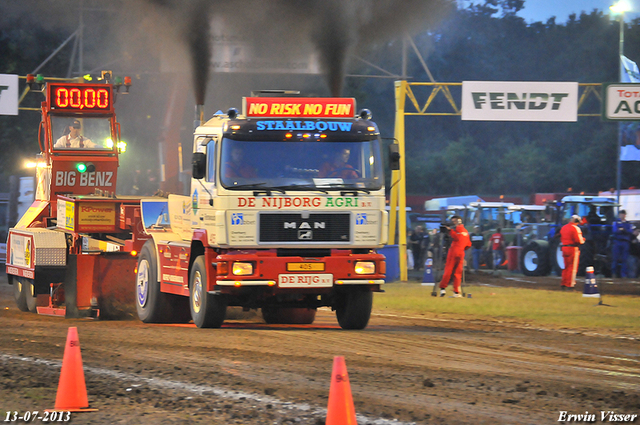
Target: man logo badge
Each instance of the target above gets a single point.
(305, 234)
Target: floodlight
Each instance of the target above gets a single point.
(620, 7)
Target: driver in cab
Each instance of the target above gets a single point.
(72, 138)
(339, 167)
(236, 166)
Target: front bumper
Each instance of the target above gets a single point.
(295, 273)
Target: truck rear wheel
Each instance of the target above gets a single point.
(288, 315)
(353, 308)
(154, 306)
(207, 310)
(534, 258)
(19, 294)
(150, 302)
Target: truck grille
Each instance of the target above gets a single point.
(294, 228)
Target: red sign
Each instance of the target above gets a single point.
(309, 107)
(80, 97)
(65, 178)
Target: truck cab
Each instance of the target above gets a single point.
(285, 214)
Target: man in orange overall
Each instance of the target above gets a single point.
(571, 239)
(460, 242)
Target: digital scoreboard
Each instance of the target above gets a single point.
(80, 97)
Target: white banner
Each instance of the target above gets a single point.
(629, 72)
(8, 94)
(519, 101)
(622, 102)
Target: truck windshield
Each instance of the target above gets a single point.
(301, 165)
(81, 133)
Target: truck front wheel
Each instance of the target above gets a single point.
(19, 294)
(353, 308)
(207, 310)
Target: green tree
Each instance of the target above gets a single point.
(521, 169)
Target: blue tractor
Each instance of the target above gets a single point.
(540, 257)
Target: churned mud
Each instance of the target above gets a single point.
(402, 369)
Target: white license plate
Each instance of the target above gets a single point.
(306, 280)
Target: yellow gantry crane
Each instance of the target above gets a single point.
(405, 90)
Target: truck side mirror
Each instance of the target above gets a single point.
(394, 156)
(199, 165)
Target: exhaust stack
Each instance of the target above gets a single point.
(199, 116)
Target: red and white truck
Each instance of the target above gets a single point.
(285, 214)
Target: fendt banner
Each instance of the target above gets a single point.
(8, 94)
(519, 101)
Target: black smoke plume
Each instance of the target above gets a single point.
(332, 28)
(276, 29)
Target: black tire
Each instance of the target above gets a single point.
(353, 308)
(535, 258)
(30, 295)
(19, 294)
(151, 304)
(555, 256)
(288, 315)
(207, 310)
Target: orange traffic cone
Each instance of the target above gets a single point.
(340, 410)
(72, 391)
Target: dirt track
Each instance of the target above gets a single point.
(409, 369)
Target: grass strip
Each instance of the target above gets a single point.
(531, 306)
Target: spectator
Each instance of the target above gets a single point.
(592, 217)
(477, 243)
(410, 259)
(419, 244)
(622, 235)
(634, 255)
(497, 247)
(460, 242)
(571, 239)
(137, 183)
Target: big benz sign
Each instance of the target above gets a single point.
(519, 101)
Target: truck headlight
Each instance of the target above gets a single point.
(242, 269)
(365, 267)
